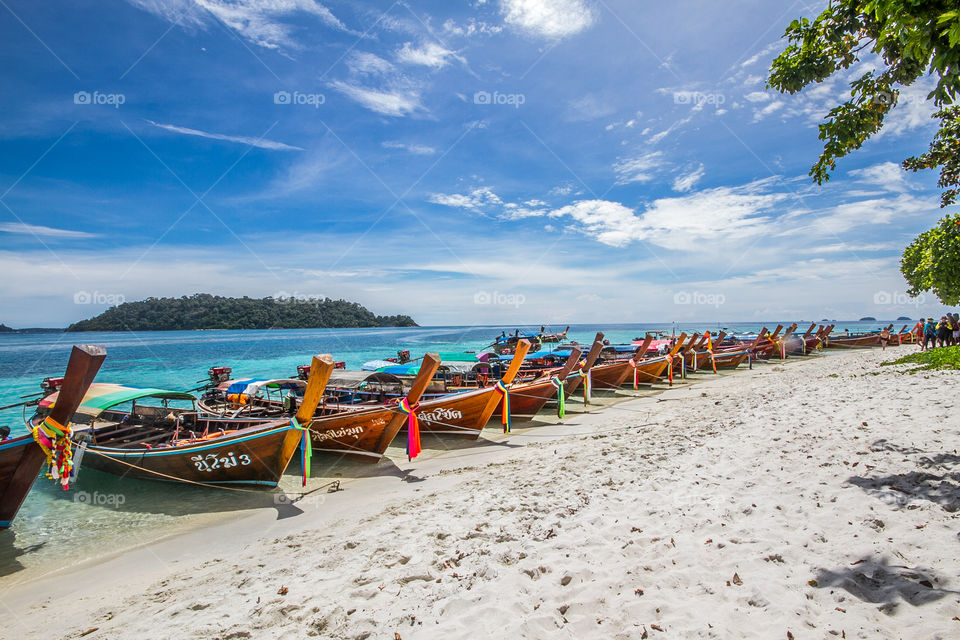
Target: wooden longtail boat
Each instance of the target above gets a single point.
(579, 374)
(467, 412)
(610, 375)
(22, 458)
(528, 398)
(180, 445)
(364, 434)
(853, 341)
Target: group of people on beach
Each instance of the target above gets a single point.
(939, 334)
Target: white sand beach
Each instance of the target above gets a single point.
(814, 498)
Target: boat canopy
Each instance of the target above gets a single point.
(373, 365)
(342, 379)
(101, 396)
(252, 386)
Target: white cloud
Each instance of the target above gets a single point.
(43, 232)
(686, 182)
(258, 21)
(773, 107)
(478, 199)
(638, 169)
(365, 63)
(470, 28)
(550, 19)
(395, 103)
(430, 55)
(415, 149)
(262, 143)
(758, 96)
(888, 175)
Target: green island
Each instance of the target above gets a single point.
(205, 311)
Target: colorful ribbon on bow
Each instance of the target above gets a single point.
(713, 361)
(561, 408)
(413, 428)
(306, 448)
(586, 384)
(54, 440)
(636, 374)
(670, 370)
(504, 391)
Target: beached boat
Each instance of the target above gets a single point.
(157, 434)
(467, 412)
(363, 433)
(853, 340)
(616, 363)
(528, 398)
(581, 373)
(22, 457)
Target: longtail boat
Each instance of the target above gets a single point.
(853, 340)
(364, 433)
(577, 377)
(528, 398)
(22, 457)
(466, 413)
(610, 373)
(130, 436)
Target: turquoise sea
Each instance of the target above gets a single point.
(106, 512)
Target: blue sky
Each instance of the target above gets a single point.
(493, 162)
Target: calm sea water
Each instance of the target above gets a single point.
(105, 512)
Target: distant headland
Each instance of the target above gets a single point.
(205, 311)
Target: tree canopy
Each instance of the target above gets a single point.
(909, 39)
(205, 311)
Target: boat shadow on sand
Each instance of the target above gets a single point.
(9, 552)
(874, 579)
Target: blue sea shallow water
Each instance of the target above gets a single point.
(82, 522)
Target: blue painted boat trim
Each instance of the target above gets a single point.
(19, 441)
(5, 524)
(169, 451)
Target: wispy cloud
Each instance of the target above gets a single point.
(638, 169)
(43, 232)
(262, 143)
(415, 149)
(686, 181)
(429, 54)
(389, 102)
(259, 21)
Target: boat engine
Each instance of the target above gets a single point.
(403, 356)
(49, 385)
(303, 371)
(219, 374)
(4, 432)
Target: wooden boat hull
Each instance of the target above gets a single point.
(528, 398)
(253, 456)
(650, 371)
(610, 376)
(362, 434)
(730, 360)
(859, 341)
(21, 460)
(462, 414)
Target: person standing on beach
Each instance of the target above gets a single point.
(944, 332)
(956, 329)
(884, 339)
(929, 334)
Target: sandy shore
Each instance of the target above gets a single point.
(810, 499)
